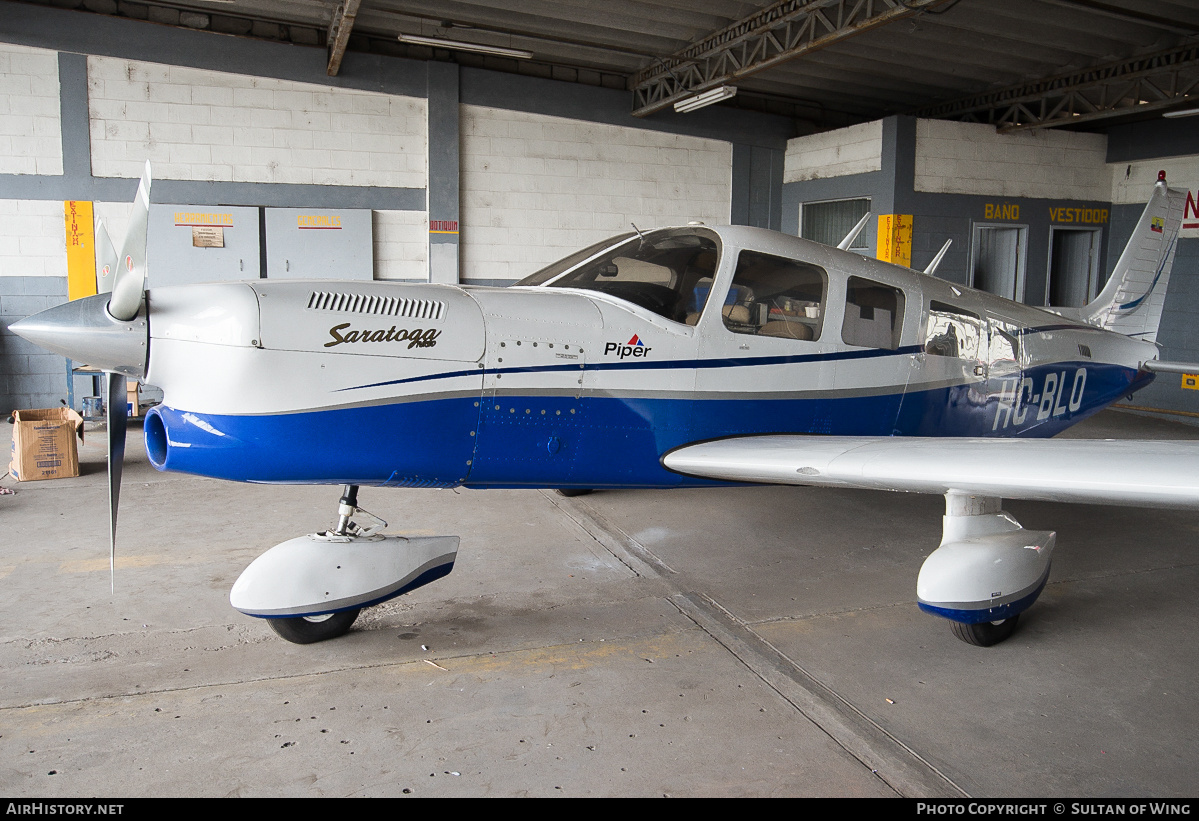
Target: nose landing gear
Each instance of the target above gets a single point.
(313, 587)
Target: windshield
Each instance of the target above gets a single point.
(566, 263)
(667, 272)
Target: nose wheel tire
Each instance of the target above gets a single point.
(311, 629)
(987, 633)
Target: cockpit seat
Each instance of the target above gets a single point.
(790, 330)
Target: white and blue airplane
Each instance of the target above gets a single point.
(679, 357)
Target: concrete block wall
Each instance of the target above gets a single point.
(1132, 182)
(972, 158)
(29, 111)
(195, 124)
(400, 247)
(29, 376)
(32, 278)
(853, 150)
(536, 188)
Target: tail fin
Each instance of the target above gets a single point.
(1131, 302)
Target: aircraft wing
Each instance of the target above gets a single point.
(1154, 473)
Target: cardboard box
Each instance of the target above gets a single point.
(43, 444)
(131, 405)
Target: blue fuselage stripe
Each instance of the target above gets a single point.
(600, 439)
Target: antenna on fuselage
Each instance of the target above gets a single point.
(932, 266)
(853, 233)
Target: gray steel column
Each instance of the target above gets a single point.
(757, 186)
(444, 163)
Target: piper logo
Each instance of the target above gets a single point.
(634, 347)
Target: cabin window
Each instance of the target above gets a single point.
(873, 314)
(658, 270)
(952, 331)
(776, 296)
(1004, 349)
(829, 222)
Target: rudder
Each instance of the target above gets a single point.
(1131, 302)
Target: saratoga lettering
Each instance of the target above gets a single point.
(416, 337)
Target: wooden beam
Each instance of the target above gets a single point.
(339, 33)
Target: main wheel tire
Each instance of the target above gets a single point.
(568, 492)
(311, 629)
(987, 633)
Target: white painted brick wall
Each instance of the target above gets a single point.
(853, 150)
(536, 188)
(1132, 183)
(30, 125)
(971, 158)
(400, 245)
(196, 124)
(32, 238)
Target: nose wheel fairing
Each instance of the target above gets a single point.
(318, 574)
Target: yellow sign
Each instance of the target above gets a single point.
(1091, 216)
(201, 218)
(895, 238)
(1001, 211)
(81, 248)
(1190, 381)
(318, 221)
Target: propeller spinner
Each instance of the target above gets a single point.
(110, 332)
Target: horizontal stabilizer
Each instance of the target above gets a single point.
(1142, 473)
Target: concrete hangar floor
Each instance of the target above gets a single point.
(718, 642)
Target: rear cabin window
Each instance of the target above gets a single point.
(776, 296)
(873, 314)
(953, 331)
(1004, 349)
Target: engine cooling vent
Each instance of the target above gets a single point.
(378, 305)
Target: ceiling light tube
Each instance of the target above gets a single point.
(459, 45)
(709, 97)
(1186, 112)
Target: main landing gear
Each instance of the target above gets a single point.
(987, 570)
(313, 587)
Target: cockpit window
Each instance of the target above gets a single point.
(775, 296)
(658, 270)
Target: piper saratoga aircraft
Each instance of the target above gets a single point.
(677, 357)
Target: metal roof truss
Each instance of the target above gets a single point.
(774, 35)
(1153, 81)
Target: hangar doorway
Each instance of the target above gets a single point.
(997, 260)
(1073, 266)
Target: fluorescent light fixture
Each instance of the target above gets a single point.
(714, 95)
(459, 45)
(1186, 112)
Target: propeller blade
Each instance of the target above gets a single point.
(106, 258)
(130, 283)
(118, 418)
